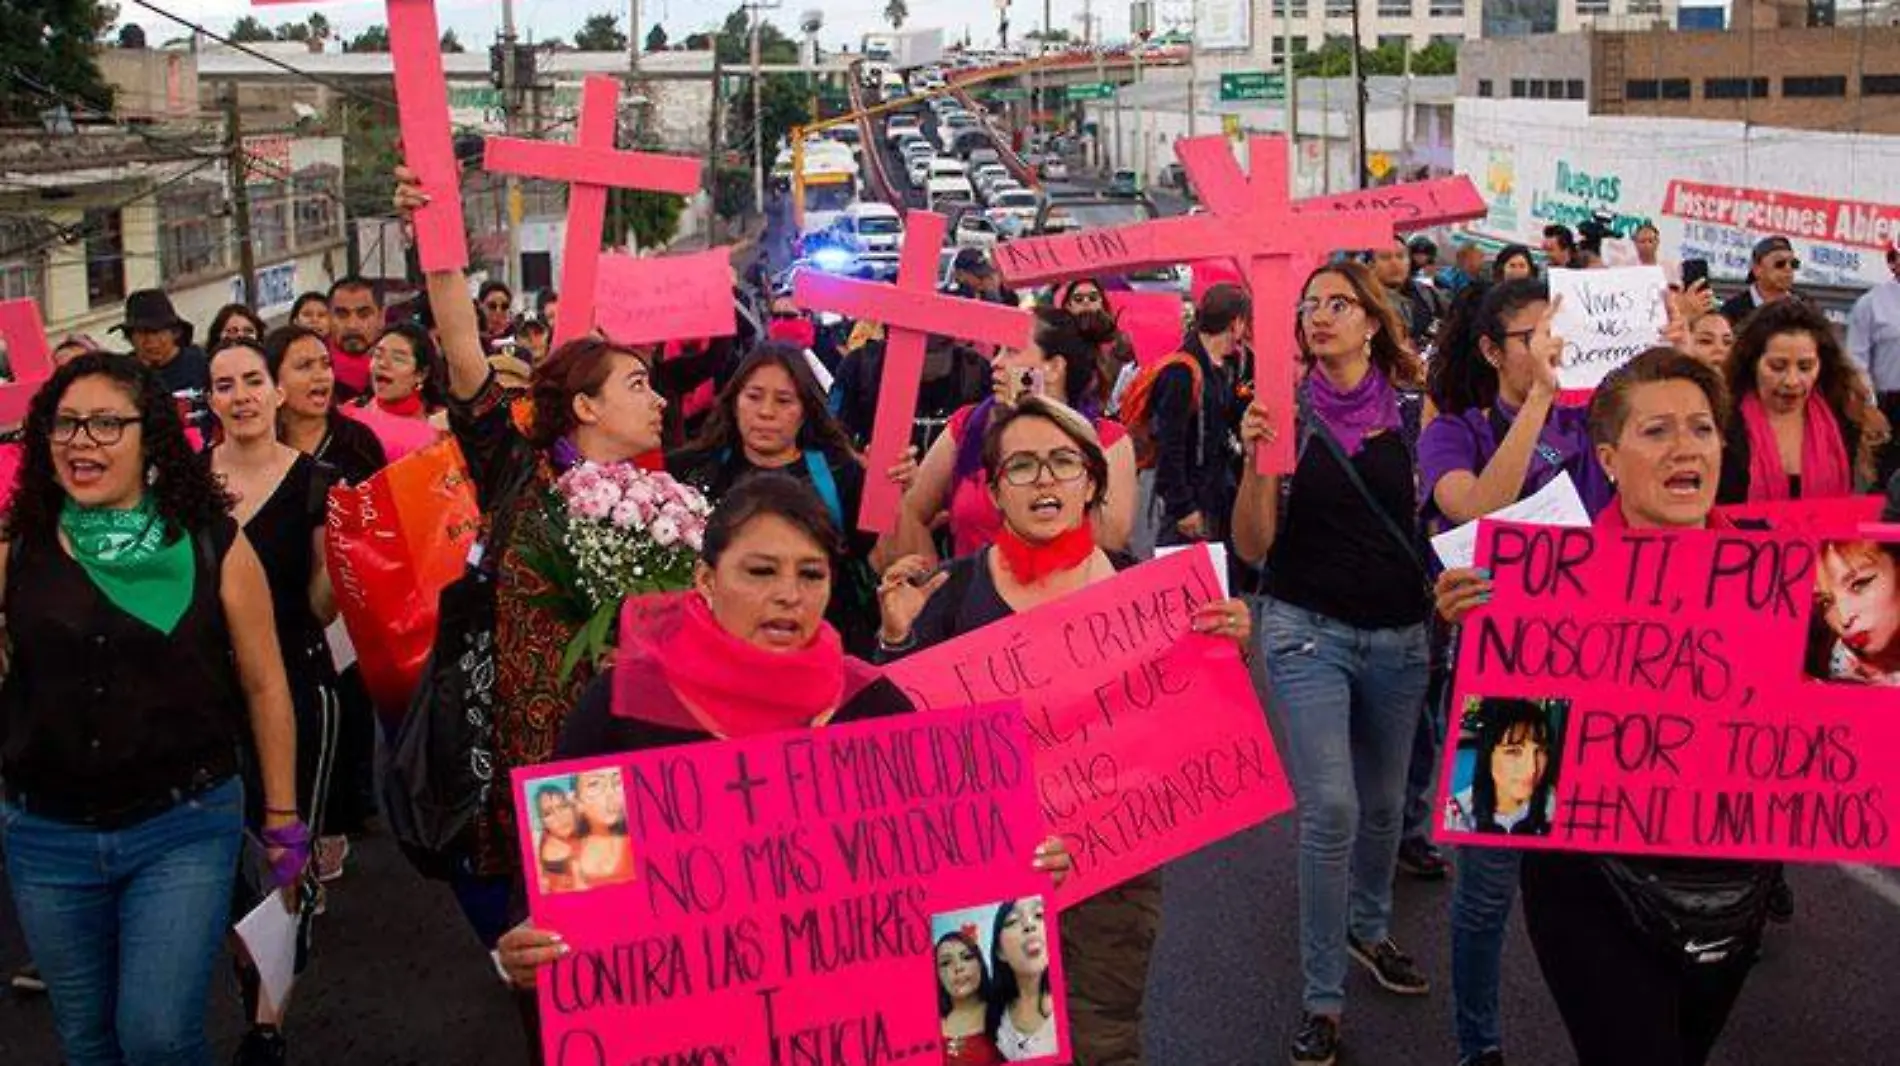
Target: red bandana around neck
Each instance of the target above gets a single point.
(409, 406)
(677, 667)
(1033, 564)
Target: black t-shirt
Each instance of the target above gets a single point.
(189, 369)
(593, 729)
(1334, 555)
(280, 532)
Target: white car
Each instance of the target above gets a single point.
(900, 124)
(987, 175)
(1013, 210)
(944, 166)
(918, 170)
(870, 226)
(975, 231)
(1054, 169)
(946, 193)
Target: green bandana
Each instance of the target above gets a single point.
(125, 554)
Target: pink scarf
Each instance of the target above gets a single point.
(1612, 518)
(677, 668)
(1824, 466)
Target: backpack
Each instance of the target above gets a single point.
(1136, 415)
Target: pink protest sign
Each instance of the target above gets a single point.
(1413, 205)
(1835, 514)
(1153, 322)
(399, 435)
(785, 898)
(910, 311)
(1710, 693)
(29, 358)
(591, 165)
(642, 300)
(1252, 221)
(422, 94)
(1149, 741)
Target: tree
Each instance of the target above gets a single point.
(451, 43)
(374, 39)
(656, 38)
(292, 31)
(734, 42)
(1438, 57)
(895, 13)
(650, 217)
(248, 30)
(601, 33)
(785, 101)
(132, 35)
(52, 44)
(319, 27)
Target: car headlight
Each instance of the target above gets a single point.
(831, 260)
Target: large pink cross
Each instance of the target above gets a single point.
(909, 310)
(591, 165)
(1250, 220)
(29, 359)
(422, 98)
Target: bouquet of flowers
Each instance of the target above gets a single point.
(620, 531)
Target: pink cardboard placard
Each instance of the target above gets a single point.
(1153, 322)
(1413, 205)
(422, 94)
(1713, 694)
(909, 310)
(643, 299)
(1149, 740)
(1841, 515)
(29, 358)
(779, 899)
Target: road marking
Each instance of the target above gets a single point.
(1875, 880)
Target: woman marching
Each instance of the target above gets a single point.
(404, 405)
(1045, 472)
(309, 420)
(1344, 633)
(1604, 926)
(279, 498)
(144, 660)
(745, 652)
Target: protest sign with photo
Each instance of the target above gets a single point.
(1149, 740)
(1710, 693)
(780, 899)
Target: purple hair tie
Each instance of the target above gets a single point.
(564, 455)
(294, 841)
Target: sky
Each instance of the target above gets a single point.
(480, 20)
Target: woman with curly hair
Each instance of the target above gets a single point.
(144, 657)
(1798, 412)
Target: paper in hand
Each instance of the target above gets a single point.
(1556, 504)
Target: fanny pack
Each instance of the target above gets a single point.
(1698, 913)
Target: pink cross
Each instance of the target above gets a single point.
(1251, 220)
(29, 358)
(909, 310)
(591, 165)
(422, 96)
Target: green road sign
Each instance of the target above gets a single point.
(1094, 90)
(1252, 85)
(1009, 93)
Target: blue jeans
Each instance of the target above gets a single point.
(1350, 699)
(1480, 909)
(126, 925)
(1428, 744)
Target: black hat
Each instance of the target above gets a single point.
(1767, 246)
(149, 309)
(973, 261)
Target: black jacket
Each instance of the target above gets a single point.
(1196, 465)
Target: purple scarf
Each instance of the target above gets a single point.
(1366, 408)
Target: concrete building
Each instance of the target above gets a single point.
(1814, 78)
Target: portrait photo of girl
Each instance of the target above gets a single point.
(1506, 777)
(1855, 635)
(995, 995)
(580, 831)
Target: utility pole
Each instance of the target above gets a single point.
(240, 194)
(510, 110)
(713, 146)
(1194, 58)
(1292, 76)
(1358, 104)
(758, 121)
(634, 40)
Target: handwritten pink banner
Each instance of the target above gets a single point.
(642, 300)
(1708, 693)
(785, 898)
(1149, 740)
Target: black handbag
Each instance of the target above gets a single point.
(442, 763)
(1697, 912)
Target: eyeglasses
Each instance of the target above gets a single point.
(391, 356)
(1783, 264)
(500, 306)
(1025, 468)
(1334, 306)
(1524, 335)
(103, 430)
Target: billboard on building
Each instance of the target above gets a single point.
(1701, 18)
(1223, 25)
(1712, 188)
